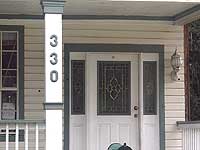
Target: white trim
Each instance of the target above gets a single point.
(36, 137)
(53, 58)
(53, 84)
(7, 137)
(54, 130)
(76, 121)
(148, 57)
(26, 137)
(183, 1)
(17, 137)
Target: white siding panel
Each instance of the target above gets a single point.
(126, 32)
(174, 136)
(173, 143)
(172, 121)
(34, 54)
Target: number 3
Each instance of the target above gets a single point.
(55, 58)
(55, 40)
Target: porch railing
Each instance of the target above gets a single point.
(191, 134)
(22, 135)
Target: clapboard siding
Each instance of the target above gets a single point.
(113, 31)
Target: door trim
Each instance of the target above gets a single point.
(140, 48)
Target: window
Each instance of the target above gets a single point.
(78, 87)
(113, 88)
(192, 70)
(150, 87)
(11, 73)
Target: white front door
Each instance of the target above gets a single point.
(111, 100)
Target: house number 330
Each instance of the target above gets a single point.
(54, 58)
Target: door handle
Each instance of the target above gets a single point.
(135, 107)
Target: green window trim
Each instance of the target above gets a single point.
(20, 30)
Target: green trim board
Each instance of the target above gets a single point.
(21, 16)
(53, 6)
(113, 48)
(107, 17)
(53, 106)
(88, 17)
(116, 17)
(20, 30)
(187, 12)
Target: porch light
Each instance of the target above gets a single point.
(176, 63)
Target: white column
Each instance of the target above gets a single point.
(26, 137)
(53, 10)
(17, 137)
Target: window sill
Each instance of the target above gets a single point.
(188, 124)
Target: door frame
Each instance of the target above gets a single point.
(139, 48)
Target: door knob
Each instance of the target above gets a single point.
(135, 107)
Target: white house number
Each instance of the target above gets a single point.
(54, 58)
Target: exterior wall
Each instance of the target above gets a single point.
(120, 32)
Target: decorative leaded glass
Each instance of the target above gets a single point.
(113, 89)
(77, 87)
(194, 70)
(149, 88)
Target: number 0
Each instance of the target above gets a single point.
(54, 76)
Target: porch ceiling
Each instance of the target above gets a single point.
(103, 7)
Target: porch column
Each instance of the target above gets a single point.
(53, 10)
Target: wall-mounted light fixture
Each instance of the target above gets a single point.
(176, 63)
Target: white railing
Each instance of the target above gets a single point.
(191, 135)
(22, 135)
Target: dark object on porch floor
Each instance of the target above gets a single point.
(118, 146)
(124, 147)
(114, 146)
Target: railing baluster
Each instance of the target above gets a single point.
(191, 138)
(17, 137)
(36, 137)
(183, 135)
(7, 137)
(11, 129)
(26, 137)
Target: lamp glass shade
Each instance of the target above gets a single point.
(176, 61)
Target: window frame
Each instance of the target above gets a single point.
(186, 73)
(188, 101)
(20, 68)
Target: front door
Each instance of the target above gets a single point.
(111, 100)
